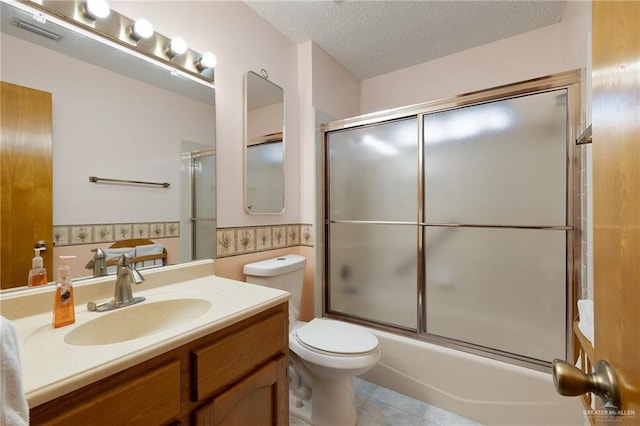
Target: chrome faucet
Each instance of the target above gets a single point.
(126, 275)
(99, 262)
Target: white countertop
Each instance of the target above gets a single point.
(51, 367)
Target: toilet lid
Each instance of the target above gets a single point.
(337, 337)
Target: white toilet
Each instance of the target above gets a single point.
(325, 354)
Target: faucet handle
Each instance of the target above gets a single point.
(124, 260)
(99, 253)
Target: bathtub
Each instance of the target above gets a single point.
(487, 391)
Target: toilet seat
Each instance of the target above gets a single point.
(335, 362)
(334, 337)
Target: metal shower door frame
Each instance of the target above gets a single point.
(570, 81)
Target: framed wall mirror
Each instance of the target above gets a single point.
(263, 145)
(114, 115)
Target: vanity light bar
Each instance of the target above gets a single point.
(116, 30)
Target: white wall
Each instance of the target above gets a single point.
(325, 86)
(308, 149)
(575, 33)
(335, 90)
(241, 41)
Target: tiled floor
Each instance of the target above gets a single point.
(379, 406)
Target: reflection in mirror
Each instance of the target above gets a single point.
(115, 116)
(198, 204)
(264, 146)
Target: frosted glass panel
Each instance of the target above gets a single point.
(373, 172)
(205, 240)
(205, 186)
(501, 163)
(373, 272)
(204, 207)
(499, 288)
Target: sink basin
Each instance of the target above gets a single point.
(137, 321)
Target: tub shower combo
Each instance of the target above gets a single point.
(456, 222)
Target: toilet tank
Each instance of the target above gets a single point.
(284, 273)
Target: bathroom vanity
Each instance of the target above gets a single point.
(235, 375)
(224, 364)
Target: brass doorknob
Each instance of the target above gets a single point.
(571, 381)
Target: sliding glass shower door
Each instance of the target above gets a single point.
(203, 204)
(495, 224)
(373, 242)
(455, 220)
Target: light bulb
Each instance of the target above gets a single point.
(94, 9)
(177, 46)
(207, 60)
(141, 29)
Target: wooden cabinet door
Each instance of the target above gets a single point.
(25, 182)
(616, 190)
(260, 399)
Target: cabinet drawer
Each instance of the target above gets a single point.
(150, 398)
(235, 355)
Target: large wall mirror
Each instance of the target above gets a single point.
(264, 146)
(114, 115)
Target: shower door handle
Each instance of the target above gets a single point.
(571, 381)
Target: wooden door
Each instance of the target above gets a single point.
(25, 181)
(616, 187)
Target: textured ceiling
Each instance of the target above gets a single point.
(370, 38)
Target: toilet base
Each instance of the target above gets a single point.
(332, 404)
(300, 408)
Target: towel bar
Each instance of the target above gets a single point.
(95, 179)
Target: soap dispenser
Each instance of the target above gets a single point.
(63, 306)
(37, 274)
